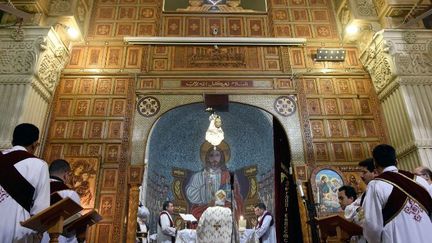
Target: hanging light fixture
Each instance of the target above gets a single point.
(214, 134)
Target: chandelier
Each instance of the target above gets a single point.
(214, 134)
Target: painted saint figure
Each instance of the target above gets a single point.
(204, 184)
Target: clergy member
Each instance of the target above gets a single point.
(397, 205)
(142, 228)
(166, 232)
(215, 224)
(59, 171)
(265, 230)
(24, 185)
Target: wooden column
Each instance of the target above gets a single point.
(135, 176)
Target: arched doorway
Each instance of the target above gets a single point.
(254, 140)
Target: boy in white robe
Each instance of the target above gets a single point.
(409, 206)
(59, 171)
(35, 173)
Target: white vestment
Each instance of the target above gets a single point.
(35, 171)
(164, 230)
(215, 225)
(265, 232)
(203, 185)
(75, 197)
(412, 224)
(352, 213)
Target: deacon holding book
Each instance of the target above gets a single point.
(215, 224)
(24, 185)
(59, 171)
(397, 205)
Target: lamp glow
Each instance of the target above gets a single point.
(352, 29)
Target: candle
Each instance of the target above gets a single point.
(242, 223)
(299, 184)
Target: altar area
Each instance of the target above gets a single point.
(190, 236)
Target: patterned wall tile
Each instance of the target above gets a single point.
(109, 179)
(331, 107)
(126, 13)
(365, 108)
(78, 129)
(299, 15)
(121, 86)
(115, 129)
(59, 129)
(256, 27)
(146, 29)
(82, 107)
(64, 107)
(95, 57)
(357, 151)
(317, 128)
(303, 31)
(348, 107)
(326, 86)
(68, 86)
(370, 128)
(104, 233)
(194, 26)
(118, 107)
(112, 153)
(335, 128)
(77, 57)
(96, 130)
(283, 30)
(103, 29)
(310, 86)
(313, 106)
(86, 86)
(343, 86)
(339, 153)
(280, 14)
(321, 152)
(235, 27)
(125, 29)
(95, 149)
(173, 26)
(100, 107)
(213, 23)
(114, 57)
(104, 86)
(353, 128)
(107, 205)
(133, 57)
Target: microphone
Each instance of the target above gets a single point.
(300, 188)
(232, 180)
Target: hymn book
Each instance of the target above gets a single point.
(188, 217)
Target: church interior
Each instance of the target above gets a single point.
(305, 90)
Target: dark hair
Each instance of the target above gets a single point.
(25, 134)
(222, 160)
(166, 204)
(349, 191)
(368, 164)
(426, 171)
(261, 206)
(384, 155)
(59, 166)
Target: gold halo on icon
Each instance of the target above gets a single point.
(222, 146)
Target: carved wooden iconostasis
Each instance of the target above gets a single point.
(108, 82)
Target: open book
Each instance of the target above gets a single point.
(188, 217)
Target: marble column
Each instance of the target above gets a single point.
(30, 65)
(400, 65)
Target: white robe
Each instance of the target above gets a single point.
(35, 171)
(75, 197)
(412, 224)
(215, 225)
(266, 232)
(165, 231)
(352, 214)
